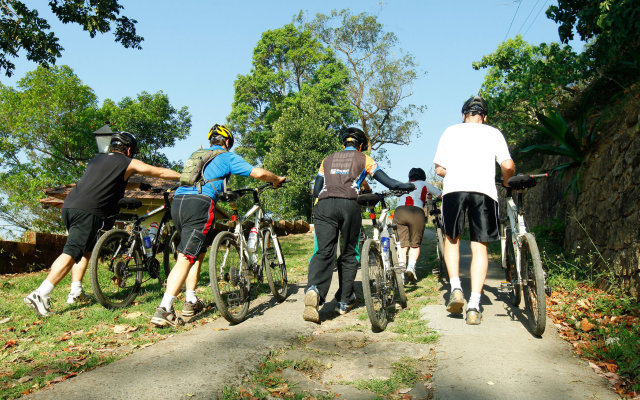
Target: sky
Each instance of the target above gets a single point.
(194, 50)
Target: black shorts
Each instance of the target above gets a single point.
(481, 210)
(193, 216)
(83, 229)
(410, 221)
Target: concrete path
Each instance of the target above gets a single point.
(501, 359)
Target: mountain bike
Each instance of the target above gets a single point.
(381, 279)
(120, 257)
(233, 265)
(436, 213)
(521, 257)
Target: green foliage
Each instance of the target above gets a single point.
(21, 28)
(522, 78)
(381, 75)
(46, 139)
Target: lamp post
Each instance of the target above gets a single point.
(103, 138)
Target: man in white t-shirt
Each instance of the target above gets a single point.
(466, 158)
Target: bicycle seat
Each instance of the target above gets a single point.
(368, 200)
(435, 211)
(129, 204)
(229, 196)
(519, 182)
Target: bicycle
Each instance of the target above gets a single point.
(436, 213)
(381, 279)
(232, 265)
(521, 257)
(120, 257)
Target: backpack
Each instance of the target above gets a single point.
(193, 171)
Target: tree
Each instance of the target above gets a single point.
(46, 138)
(380, 82)
(21, 28)
(522, 79)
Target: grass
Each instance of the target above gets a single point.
(405, 374)
(36, 352)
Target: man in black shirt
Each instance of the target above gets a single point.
(85, 211)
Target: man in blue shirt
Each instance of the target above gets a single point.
(193, 213)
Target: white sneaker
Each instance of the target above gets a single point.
(411, 273)
(77, 297)
(38, 303)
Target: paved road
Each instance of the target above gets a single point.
(501, 359)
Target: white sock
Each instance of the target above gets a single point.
(45, 288)
(412, 266)
(474, 301)
(190, 296)
(167, 301)
(76, 287)
(455, 283)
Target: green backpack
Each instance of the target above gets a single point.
(193, 171)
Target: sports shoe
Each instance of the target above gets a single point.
(162, 317)
(411, 273)
(343, 308)
(81, 297)
(474, 316)
(191, 309)
(39, 304)
(456, 302)
(311, 301)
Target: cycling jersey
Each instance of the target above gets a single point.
(343, 172)
(223, 166)
(419, 196)
(101, 186)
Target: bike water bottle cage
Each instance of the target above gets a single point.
(520, 182)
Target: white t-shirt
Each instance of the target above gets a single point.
(469, 152)
(419, 196)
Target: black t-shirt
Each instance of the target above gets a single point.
(101, 186)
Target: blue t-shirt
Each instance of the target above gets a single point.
(224, 165)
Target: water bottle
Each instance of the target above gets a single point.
(252, 244)
(384, 239)
(153, 231)
(147, 241)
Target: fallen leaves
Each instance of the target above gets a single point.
(118, 329)
(9, 343)
(586, 326)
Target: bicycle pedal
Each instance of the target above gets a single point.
(505, 287)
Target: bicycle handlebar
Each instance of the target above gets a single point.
(233, 194)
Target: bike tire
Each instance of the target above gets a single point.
(511, 275)
(443, 273)
(534, 293)
(230, 289)
(372, 285)
(276, 272)
(113, 285)
(170, 252)
(399, 284)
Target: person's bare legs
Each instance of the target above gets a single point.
(60, 268)
(452, 259)
(192, 281)
(78, 270)
(479, 266)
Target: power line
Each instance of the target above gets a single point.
(527, 19)
(536, 17)
(513, 19)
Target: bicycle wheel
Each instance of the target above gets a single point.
(443, 274)
(170, 251)
(398, 282)
(534, 294)
(230, 288)
(511, 274)
(113, 283)
(373, 285)
(396, 279)
(276, 272)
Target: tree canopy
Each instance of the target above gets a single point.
(22, 28)
(46, 137)
(381, 75)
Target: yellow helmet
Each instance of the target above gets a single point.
(222, 131)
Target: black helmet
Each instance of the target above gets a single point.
(353, 137)
(475, 105)
(125, 139)
(417, 174)
(223, 131)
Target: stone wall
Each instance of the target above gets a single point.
(606, 212)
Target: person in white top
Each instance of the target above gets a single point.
(410, 216)
(466, 158)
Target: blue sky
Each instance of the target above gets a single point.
(194, 50)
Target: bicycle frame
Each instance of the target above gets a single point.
(518, 230)
(382, 223)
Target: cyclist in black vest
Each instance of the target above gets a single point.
(85, 211)
(193, 213)
(337, 210)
